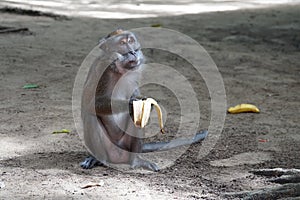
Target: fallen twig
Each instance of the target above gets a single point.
(288, 178)
(28, 12)
(101, 183)
(13, 30)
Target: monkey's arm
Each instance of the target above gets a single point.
(97, 98)
(106, 106)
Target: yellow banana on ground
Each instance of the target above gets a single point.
(243, 108)
(142, 110)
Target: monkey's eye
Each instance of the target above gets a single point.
(131, 40)
(122, 42)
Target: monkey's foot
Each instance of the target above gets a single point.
(90, 162)
(289, 180)
(140, 163)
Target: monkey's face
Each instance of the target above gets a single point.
(125, 50)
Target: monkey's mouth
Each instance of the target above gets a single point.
(132, 64)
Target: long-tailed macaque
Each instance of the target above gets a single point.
(109, 132)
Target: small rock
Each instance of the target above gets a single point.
(2, 185)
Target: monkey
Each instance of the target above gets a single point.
(109, 132)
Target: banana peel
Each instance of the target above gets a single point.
(242, 108)
(142, 110)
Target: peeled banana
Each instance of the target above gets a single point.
(142, 110)
(243, 108)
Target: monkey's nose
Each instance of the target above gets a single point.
(132, 52)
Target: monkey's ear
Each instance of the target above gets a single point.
(103, 44)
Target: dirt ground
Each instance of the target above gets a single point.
(257, 53)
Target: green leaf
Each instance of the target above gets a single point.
(30, 86)
(156, 25)
(61, 131)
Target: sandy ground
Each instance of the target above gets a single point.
(257, 53)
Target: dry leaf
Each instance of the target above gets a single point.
(101, 183)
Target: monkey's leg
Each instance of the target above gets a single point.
(145, 164)
(90, 162)
(136, 147)
(161, 146)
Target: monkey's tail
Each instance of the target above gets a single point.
(162, 146)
